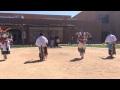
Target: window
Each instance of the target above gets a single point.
(104, 18)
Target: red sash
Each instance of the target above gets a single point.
(81, 39)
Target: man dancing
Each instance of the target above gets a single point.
(5, 39)
(42, 41)
(82, 40)
(111, 43)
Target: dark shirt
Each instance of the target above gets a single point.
(52, 37)
(56, 37)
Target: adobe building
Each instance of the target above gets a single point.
(107, 20)
(25, 28)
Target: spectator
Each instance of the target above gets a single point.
(89, 40)
(52, 40)
(57, 41)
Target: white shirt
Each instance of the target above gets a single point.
(110, 38)
(41, 41)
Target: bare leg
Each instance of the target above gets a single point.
(111, 53)
(82, 55)
(46, 56)
(4, 56)
(82, 52)
(39, 55)
(45, 52)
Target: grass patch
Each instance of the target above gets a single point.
(92, 45)
(22, 46)
(73, 45)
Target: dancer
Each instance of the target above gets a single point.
(42, 41)
(111, 43)
(5, 39)
(82, 40)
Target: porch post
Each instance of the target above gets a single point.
(23, 37)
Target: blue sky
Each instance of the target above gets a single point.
(71, 13)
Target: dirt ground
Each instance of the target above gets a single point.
(62, 63)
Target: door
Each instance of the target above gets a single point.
(17, 38)
(103, 36)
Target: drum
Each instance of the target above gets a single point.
(58, 40)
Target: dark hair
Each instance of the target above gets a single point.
(41, 34)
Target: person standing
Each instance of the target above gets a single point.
(52, 41)
(42, 41)
(57, 41)
(89, 40)
(111, 43)
(71, 41)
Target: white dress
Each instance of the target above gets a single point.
(5, 47)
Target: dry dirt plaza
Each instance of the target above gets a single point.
(23, 63)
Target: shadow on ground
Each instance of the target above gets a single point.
(76, 59)
(2, 60)
(35, 61)
(109, 58)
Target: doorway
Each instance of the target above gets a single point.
(16, 33)
(103, 36)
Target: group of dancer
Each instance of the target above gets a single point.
(6, 38)
(83, 38)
